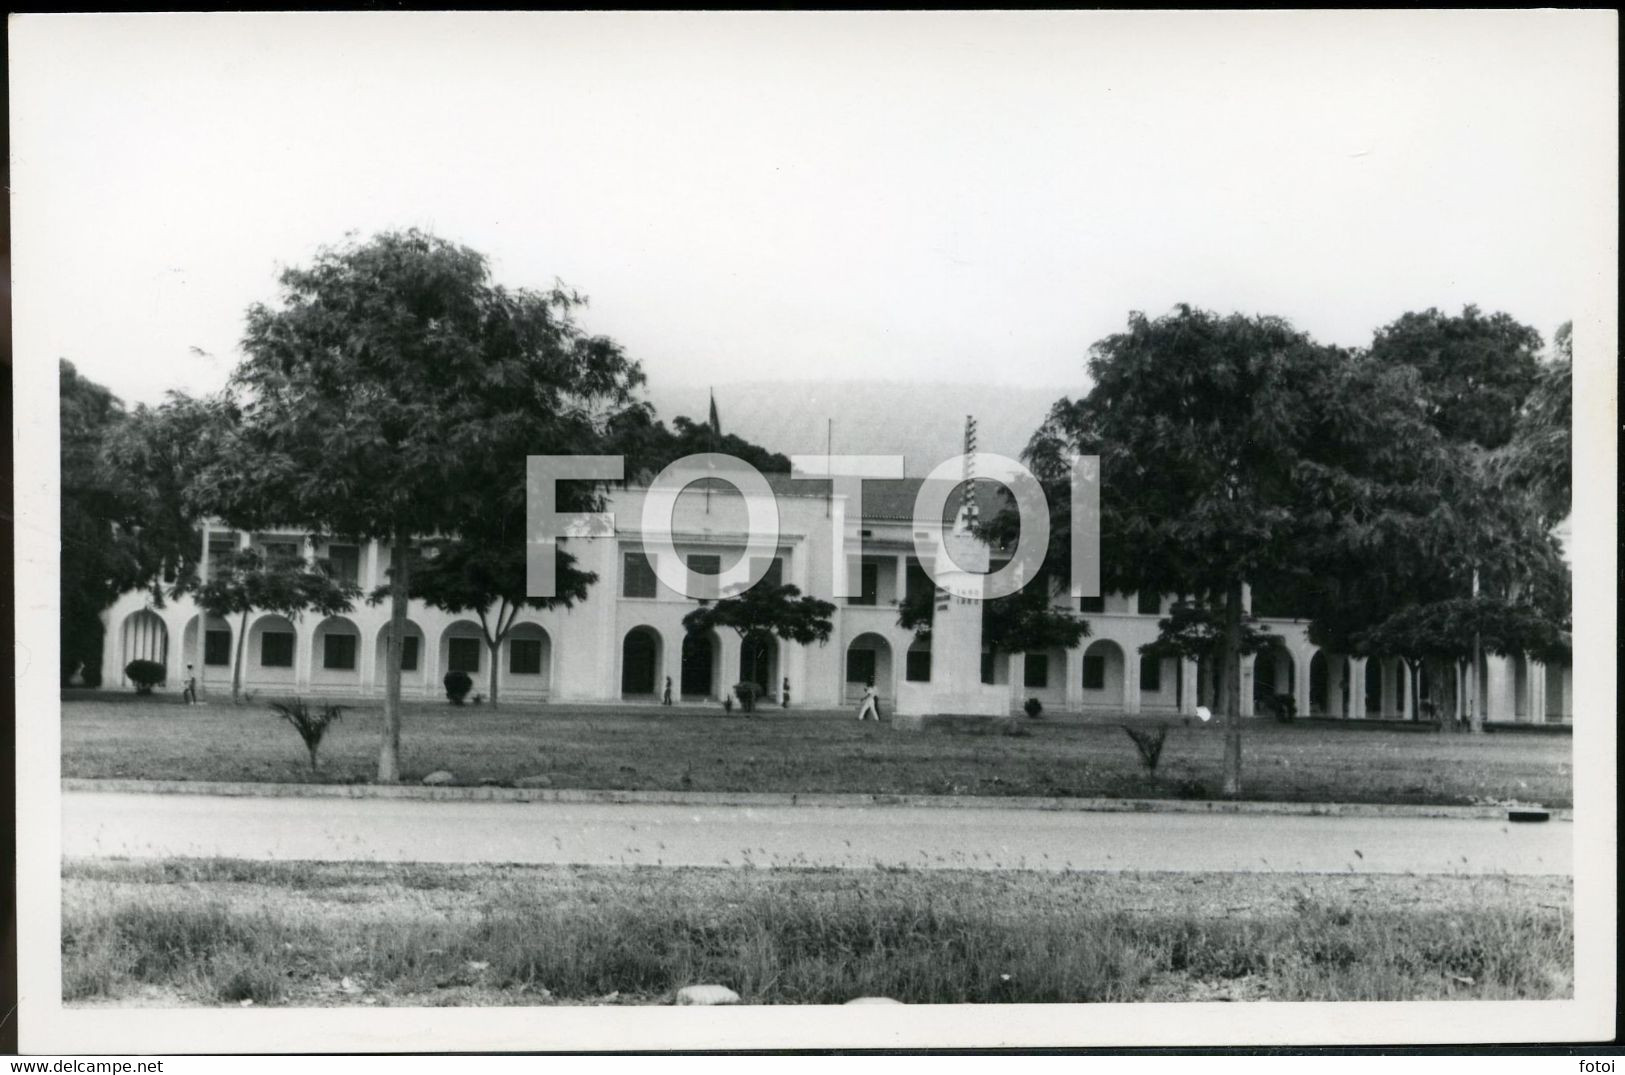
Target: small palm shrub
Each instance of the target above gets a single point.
(727, 703)
(1033, 707)
(310, 722)
(144, 674)
(1149, 744)
(457, 684)
(748, 693)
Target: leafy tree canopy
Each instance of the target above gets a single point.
(764, 610)
(1445, 630)
(395, 390)
(649, 446)
(1476, 371)
(1194, 632)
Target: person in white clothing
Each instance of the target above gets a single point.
(869, 708)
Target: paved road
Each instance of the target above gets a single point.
(156, 826)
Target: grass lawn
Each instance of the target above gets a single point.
(204, 932)
(649, 748)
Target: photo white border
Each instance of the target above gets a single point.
(46, 1026)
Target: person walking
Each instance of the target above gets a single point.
(189, 695)
(665, 699)
(869, 706)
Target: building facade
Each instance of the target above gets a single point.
(626, 641)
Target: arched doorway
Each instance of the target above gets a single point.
(1373, 686)
(702, 666)
(1275, 678)
(759, 664)
(868, 660)
(1103, 681)
(1318, 682)
(144, 637)
(414, 660)
(219, 650)
(641, 675)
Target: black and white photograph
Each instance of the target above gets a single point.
(901, 530)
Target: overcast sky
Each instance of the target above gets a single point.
(964, 198)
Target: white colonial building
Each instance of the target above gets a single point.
(624, 642)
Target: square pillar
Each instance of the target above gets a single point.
(1073, 684)
(1248, 668)
(1356, 674)
(1187, 687)
(1131, 682)
(1018, 678)
(671, 665)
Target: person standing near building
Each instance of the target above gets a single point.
(189, 694)
(869, 706)
(665, 698)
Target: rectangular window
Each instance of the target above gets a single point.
(217, 647)
(463, 655)
(860, 666)
(773, 576)
(276, 649)
(1148, 604)
(1092, 604)
(869, 584)
(219, 549)
(338, 652)
(525, 657)
(1036, 673)
(916, 580)
(344, 562)
(409, 653)
(285, 552)
(917, 666)
(704, 563)
(1150, 673)
(1094, 673)
(637, 576)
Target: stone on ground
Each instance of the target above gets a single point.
(873, 1000)
(439, 776)
(707, 994)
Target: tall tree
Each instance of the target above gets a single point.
(392, 390)
(127, 521)
(244, 581)
(97, 561)
(1476, 371)
(1538, 458)
(1230, 447)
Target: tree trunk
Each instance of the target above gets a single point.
(495, 645)
(1230, 661)
(312, 757)
(389, 751)
(237, 662)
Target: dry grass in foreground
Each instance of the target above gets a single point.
(211, 932)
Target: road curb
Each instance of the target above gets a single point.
(777, 799)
